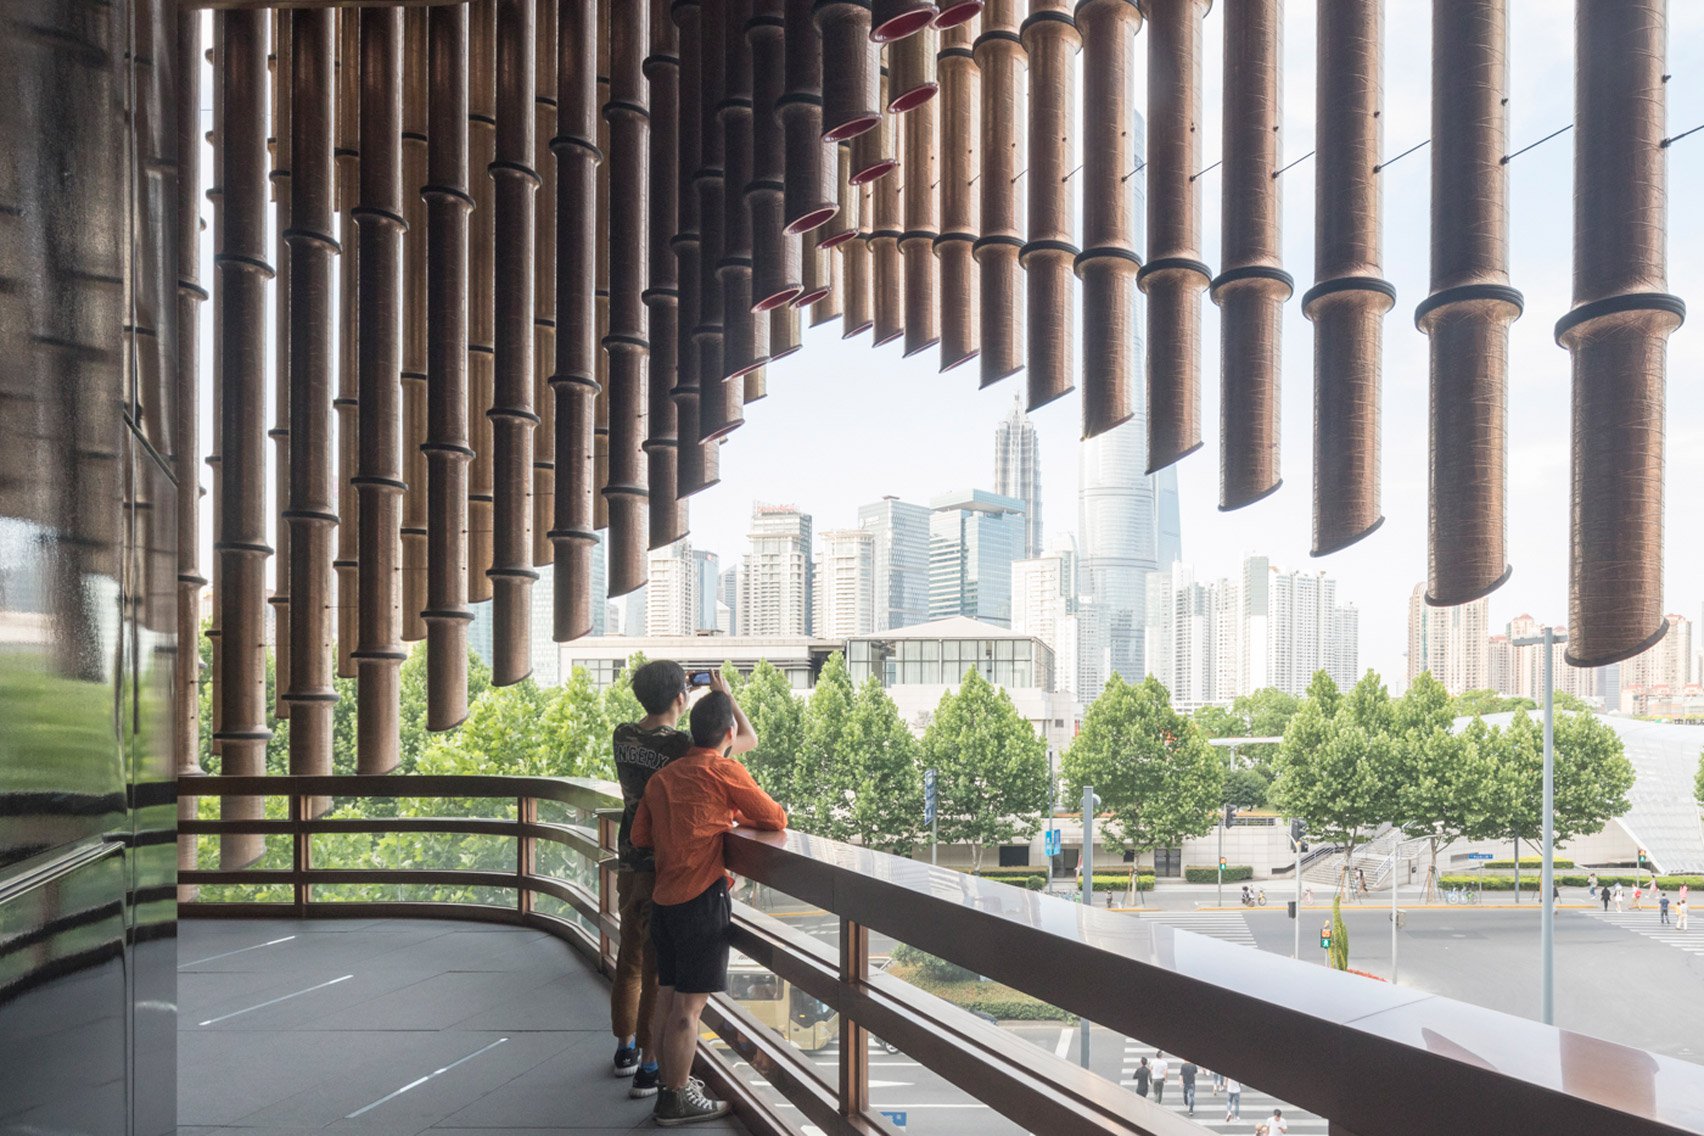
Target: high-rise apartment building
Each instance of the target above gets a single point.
(974, 538)
(728, 601)
(1181, 642)
(776, 591)
(707, 568)
(846, 584)
(1017, 471)
(1451, 642)
(671, 594)
(1667, 664)
(900, 534)
(1044, 604)
(1517, 669)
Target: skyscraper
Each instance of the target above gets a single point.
(1017, 471)
(1044, 604)
(1453, 643)
(974, 538)
(846, 584)
(671, 594)
(708, 569)
(728, 601)
(900, 531)
(776, 591)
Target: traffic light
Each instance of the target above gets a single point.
(1325, 937)
(1230, 815)
(1298, 829)
(1641, 857)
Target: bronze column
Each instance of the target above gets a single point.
(719, 402)
(887, 267)
(414, 329)
(832, 305)
(814, 273)
(850, 103)
(911, 73)
(961, 90)
(1349, 298)
(1252, 285)
(875, 153)
(242, 273)
(347, 400)
(311, 511)
(1050, 37)
(859, 270)
(662, 295)
(808, 162)
(447, 452)
(600, 292)
(574, 383)
(922, 208)
(999, 56)
(482, 281)
(700, 461)
(842, 226)
(775, 252)
(378, 653)
(1468, 313)
(784, 333)
(280, 433)
(745, 340)
(1617, 332)
(1108, 264)
(544, 289)
(893, 20)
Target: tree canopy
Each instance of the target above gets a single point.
(991, 774)
(777, 714)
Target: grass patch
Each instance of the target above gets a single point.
(994, 998)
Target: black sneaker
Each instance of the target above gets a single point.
(645, 1082)
(687, 1106)
(626, 1060)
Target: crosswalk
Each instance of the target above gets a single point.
(1650, 925)
(1210, 1108)
(1231, 926)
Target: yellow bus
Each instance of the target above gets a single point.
(772, 1000)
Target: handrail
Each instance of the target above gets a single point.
(1318, 1038)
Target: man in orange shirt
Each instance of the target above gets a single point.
(687, 809)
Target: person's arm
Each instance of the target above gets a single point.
(752, 807)
(745, 738)
(640, 834)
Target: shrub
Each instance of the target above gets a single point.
(1035, 883)
(1011, 1010)
(1571, 879)
(1526, 862)
(929, 966)
(1234, 873)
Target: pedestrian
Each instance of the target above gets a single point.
(1161, 1068)
(1680, 914)
(1275, 1123)
(1186, 1073)
(1663, 906)
(1591, 884)
(1218, 1081)
(1361, 880)
(1603, 894)
(1618, 898)
(1233, 1099)
(1638, 894)
(1142, 1075)
(687, 809)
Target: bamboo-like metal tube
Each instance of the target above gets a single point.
(955, 14)
(347, 401)
(1617, 332)
(843, 225)
(850, 100)
(784, 333)
(513, 419)
(1000, 59)
(242, 272)
(1349, 298)
(887, 266)
(1471, 305)
(1108, 264)
(414, 333)
(282, 78)
(600, 423)
(1174, 277)
(815, 275)
(719, 403)
(922, 223)
(859, 270)
(745, 339)
(447, 451)
(310, 514)
(961, 92)
(911, 72)
(481, 280)
(215, 460)
(832, 306)
(1050, 36)
(626, 344)
(875, 153)
(1252, 285)
(186, 665)
(894, 20)
(378, 653)
(775, 253)
(667, 512)
(809, 164)
(544, 288)
(697, 463)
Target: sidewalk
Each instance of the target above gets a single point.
(1169, 896)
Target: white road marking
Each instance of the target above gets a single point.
(1063, 1049)
(414, 1084)
(275, 1001)
(238, 951)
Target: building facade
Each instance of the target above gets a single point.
(974, 538)
(1044, 604)
(671, 593)
(775, 586)
(900, 550)
(1017, 471)
(708, 572)
(1453, 643)
(846, 584)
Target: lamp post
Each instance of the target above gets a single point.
(1090, 803)
(1547, 878)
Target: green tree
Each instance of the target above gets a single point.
(619, 702)
(1247, 788)
(991, 775)
(822, 776)
(1156, 775)
(1478, 703)
(1219, 722)
(1446, 782)
(1698, 781)
(777, 714)
(576, 727)
(1338, 955)
(883, 781)
(1592, 777)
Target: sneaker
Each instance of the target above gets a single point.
(626, 1060)
(688, 1105)
(645, 1082)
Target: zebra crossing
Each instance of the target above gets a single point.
(1231, 926)
(1649, 924)
(1210, 1108)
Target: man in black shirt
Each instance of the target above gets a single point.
(1186, 1073)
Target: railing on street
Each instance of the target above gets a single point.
(1376, 1060)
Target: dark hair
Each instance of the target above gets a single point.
(712, 718)
(657, 684)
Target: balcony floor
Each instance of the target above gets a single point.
(393, 1027)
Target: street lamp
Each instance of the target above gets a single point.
(1091, 804)
(1547, 878)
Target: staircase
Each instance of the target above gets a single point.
(1372, 856)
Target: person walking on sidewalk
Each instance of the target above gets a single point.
(1663, 906)
(1161, 1068)
(1142, 1075)
(1603, 894)
(1618, 898)
(1680, 914)
(1591, 885)
(1233, 1099)
(1186, 1073)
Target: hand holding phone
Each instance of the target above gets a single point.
(699, 678)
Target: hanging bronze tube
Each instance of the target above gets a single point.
(859, 271)
(960, 94)
(774, 251)
(953, 15)
(698, 460)
(215, 462)
(999, 56)
(875, 153)
(850, 103)
(574, 383)
(544, 288)
(843, 225)
(242, 272)
(378, 653)
(887, 267)
(310, 513)
(600, 423)
(922, 223)
(1051, 39)
(1108, 264)
(1174, 277)
(1468, 313)
(814, 273)
(414, 332)
(832, 305)
(894, 20)
(282, 65)
(481, 279)
(1617, 332)
(347, 402)
(1252, 285)
(911, 72)
(745, 339)
(447, 451)
(667, 512)
(1349, 299)
(784, 333)
(809, 164)
(719, 402)
(626, 345)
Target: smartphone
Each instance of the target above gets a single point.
(698, 678)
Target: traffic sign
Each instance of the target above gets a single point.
(1479, 855)
(896, 1115)
(1050, 842)
(928, 796)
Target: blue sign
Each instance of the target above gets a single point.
(1050, 842)
(1479, 856)
(928, 796)
(896, 1115)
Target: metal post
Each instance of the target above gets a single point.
(1219, 892)
(1296, 950)
(1394, 865)
(934, 839)
(1087, 862)
(1547, 910)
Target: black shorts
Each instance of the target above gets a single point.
(691, 939)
